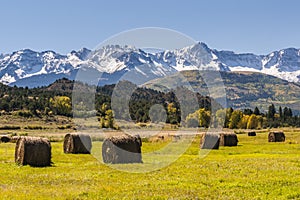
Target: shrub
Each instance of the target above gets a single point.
(10, 127)
(33, 127)
(68, 126)
(24, 113)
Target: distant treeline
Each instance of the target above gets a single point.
(144, 105)
(56, 99)
(244, 119)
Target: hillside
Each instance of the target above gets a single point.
(57, 99)
(243, 89)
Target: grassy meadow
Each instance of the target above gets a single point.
(255, 169)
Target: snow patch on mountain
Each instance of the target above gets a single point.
(6, 79)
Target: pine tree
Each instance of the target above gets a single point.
(285, 113)
(280, 112)
(271, 112)
(229, 112)
(290, 113)
(256, 111)
(248, 111)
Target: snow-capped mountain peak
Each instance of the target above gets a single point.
(82, 54)
(120, 60)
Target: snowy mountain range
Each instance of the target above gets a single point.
(114, 62)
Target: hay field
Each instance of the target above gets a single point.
(255, 169)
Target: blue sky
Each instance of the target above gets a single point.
(258, 26)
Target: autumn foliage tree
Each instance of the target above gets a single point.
(252, 122)
(106, 117)
(235, 118)
(172, 114)
(200, 118)
(61, 105)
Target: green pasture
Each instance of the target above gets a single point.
(255, 169)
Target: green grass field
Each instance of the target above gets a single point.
(255, 169)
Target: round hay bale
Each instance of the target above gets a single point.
(176, 138)
(210, 141)
(122, 149)
(5, 138)
(14, 139)
(157, 138)
(33, 151)
(252, 133)
(276, 137)
(77, 143)
(228, 139)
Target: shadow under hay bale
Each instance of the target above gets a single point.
(276, 137)
(5, 138)
(228, 139)
(33, 151)
(122, 149)
(252, 133)
(77, 144)
(210, 141)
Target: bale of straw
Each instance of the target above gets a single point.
(176, 138)
(77, 143)
(252, 133)
(276, 137)
(5, 138)
(228, 139)
(14, 139)
(210, 141)
(33, 151)
(122, 149)
(157, 138)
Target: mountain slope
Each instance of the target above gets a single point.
(114, 62)
(243, 89)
